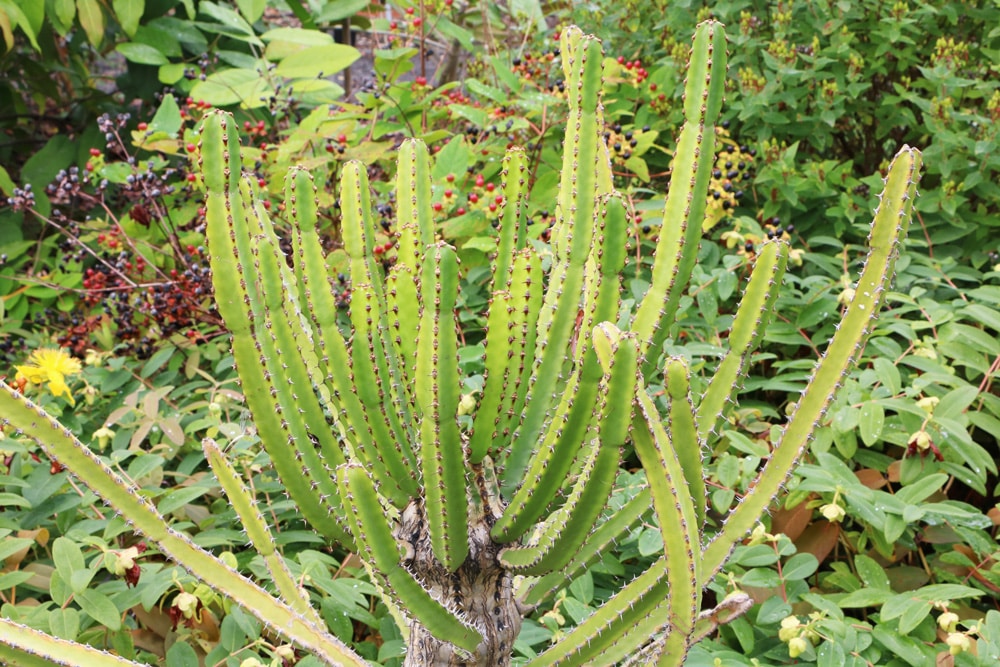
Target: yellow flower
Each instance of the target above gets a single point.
(51, 367)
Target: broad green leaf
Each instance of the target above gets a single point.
(67, 557)
(865, 597)
(871, 573)
(226, 17)
(338, 10)
(955, 402)
(181, 654)
(65, 11)
(92, 20)
(13, 16)
(317, 61)
(870, 422)
(230, 86)
(129, 12)
(251, 9)
(142, 54)
(100, 608)
(12, 545)
(179, 497)
(64, 623)
(800, 566)
(888, 375)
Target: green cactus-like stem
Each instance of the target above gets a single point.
(526, 288)
(684, 209)
(229, 244)
(891, 222)
(256, 529)
(513, 219)
(23, 646)
(534, 591)
(375, 373)
(586, 174)
(664, 453)
(621, 625)
(415, 230)
(752, 318)
(574, 416)
(62, 446)
(436, 390)
(561, 536)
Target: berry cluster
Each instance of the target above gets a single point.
(734, 168)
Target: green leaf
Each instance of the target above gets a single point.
(12, 545)
(317, 61)
(129, 12)
(338, 10)
(92, 20)
(179, 498)
(800, 566)
(955, 402)
(181, 654)
(870, 422)
(11, 499)
(64, 623)
(227, 17)
(230, 86)
(871, 573)
(251, 9)
(888, 375)
(65, 11)
(100, 608)
(865, 597)
(67, 557)
(650, 542)
(142, 54)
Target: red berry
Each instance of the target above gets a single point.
(450, 178)
(498, 199)
(448, 194)
(473, 198)
(480, 180)
(421, 80)
(438, 206)
(417, 22)
(621, 60)
(192, 178)
(191, 148)
(261, 182)
(409, 10)
(490, 187)
(652, 87)
(341, 138)
(95, 152)
(493, 207)
(461, 210)
(267, 204)
(393, 25)
(142, 127)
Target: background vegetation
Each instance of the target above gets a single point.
(883, 551)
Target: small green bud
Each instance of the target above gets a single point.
(928, 403)
(121, 561)
(789, 629)
(187, 603)
(948, 621)
(958, 642)
(797, 646)
(833, 512)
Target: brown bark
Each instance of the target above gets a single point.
(481, 591)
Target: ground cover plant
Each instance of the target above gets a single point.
(900, 477)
